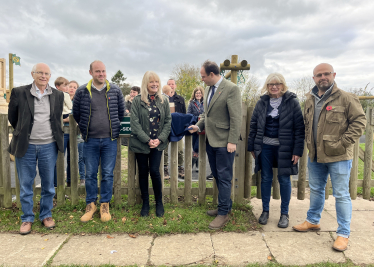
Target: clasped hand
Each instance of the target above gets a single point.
(153, 143)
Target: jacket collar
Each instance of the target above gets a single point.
(89, 86)
(335, 92)
(286, 96)
(217, 94)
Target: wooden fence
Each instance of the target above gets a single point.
(243, 178)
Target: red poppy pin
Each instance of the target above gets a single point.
(152, 97)
(109, 97)
(329, 108)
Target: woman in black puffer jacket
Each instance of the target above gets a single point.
(276, 140)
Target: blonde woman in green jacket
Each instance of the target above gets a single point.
(150, 129)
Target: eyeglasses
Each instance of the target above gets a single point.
(276, 84)
(326, 74)
(42, 73)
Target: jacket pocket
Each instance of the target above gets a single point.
(336, 115)
(333, 145)
(222, 126)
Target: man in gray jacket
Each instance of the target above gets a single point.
(35, 112)
(221, 120)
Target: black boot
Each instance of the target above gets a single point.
(194, 162)
(157, 189)
(283, 221)
(264, 217)
(143, 184)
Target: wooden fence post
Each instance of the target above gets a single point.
(248, 159)
(5, 178)
(18, 189)
(301, 182)
(188, 169)
(368, 155)
(73, 145)
(327, 188)
(354, 171)
(131, 167)
(202, 170)
(174, 173)
(60, 169)
(276, 186)
(239, 171)
(117, 175)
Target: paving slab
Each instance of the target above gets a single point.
(240, 248)
(360, 247)
(362, 221)
(357, 204)
(302, 248)
(297, 213)
(182, 249)
(99, 249)
(29, 250)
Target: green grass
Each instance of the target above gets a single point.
(180, 218)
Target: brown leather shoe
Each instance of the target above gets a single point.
(90, 210)
(340, 244)
(49, 223)
(306, 226)
(219, 222)
(25, 228)
(104, 212)
(214, 213)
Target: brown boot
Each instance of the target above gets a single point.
(90, 210)
(340, 244)
(104, 212)
(212, 213)
(219, 222)
(25, 228)
(306, 226)
(49, 223)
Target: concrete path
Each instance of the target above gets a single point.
(236, 249)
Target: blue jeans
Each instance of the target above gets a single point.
(43, 156)
(221, 163)
(96, 149)
(82, 167)
(339, 174)
(269, 156)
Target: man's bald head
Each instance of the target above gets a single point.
(323, 66)
(324, 76)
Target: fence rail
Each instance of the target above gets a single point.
(243, 177)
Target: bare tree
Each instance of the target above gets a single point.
(366, 91)
(301, 86)
(250, 89)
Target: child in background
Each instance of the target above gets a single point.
(62, 85)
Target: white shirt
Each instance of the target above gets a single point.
(216, 87)
(93, 86)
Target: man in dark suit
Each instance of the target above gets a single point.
(35, 112)
(222, 121)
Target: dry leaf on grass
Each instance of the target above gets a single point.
(133, 236)
(124, 219)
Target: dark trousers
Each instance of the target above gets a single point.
(150, 164)
(269, 157)
(195, 143)
(221, 163)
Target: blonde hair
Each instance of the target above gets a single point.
(198, 88)
(74, 82)
(166, 89)
(144, 90)
(274, 77)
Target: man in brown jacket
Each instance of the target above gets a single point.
(334, 120)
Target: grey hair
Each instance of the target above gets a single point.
(34, 67)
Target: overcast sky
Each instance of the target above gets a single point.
(290, 37)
